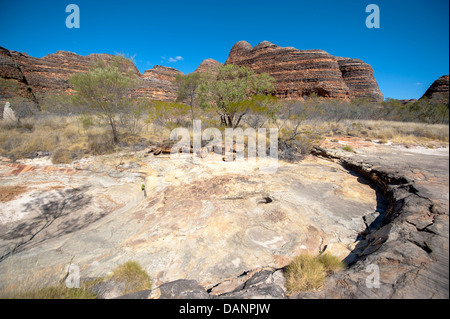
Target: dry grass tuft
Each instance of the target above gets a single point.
(134, 277)
(307, 272)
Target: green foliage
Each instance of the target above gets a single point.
(106, 90)
(168, 114)
(130, 119)
(187, 91)
(227, 91)
(433, 111)
(86, 121)
(59, 104)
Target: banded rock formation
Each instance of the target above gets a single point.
(300, 73)
(158, 83)
(30, 77)
(439, 88)
(208, 65)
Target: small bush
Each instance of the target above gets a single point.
(307, 272)
(62, 156)
(99, 144)
(134, 277)
(71, 132)
(331, 263)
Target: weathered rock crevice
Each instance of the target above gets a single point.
(411, 218)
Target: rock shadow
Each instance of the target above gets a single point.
(57, 217)
(373, 221)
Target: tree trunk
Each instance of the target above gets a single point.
(230, 121)
(114, 130)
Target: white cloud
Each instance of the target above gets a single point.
(171, 60)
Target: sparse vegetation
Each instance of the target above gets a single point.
(72, 126)
(56, 292)
(300, 126)
(129, 273)
(134, 277)
(307, 272)
(348, 148)
(331, 263)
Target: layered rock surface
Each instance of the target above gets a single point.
(439, 89)
(237, 228)
(208, 65)
(360, 79)
(51, 73)
(300, 73)
(234, 220)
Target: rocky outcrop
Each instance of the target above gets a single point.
(403, 253)
(208, 65)
(439, 89)
(301, 73)
(234, 219)
(15, 82)
(237, 229)
(33, 77)
(158, 83)
(408, 246)
(360, 79)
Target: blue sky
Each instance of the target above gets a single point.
(408, 52)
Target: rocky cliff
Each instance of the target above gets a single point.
(13, 80)
(32, 77)
(439, 88)
(300, 73)
(360, 79)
